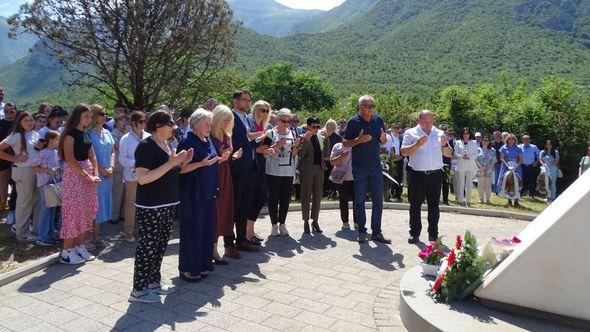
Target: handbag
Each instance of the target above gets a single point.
(337, 175)
(52, 193)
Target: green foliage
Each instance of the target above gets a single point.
(282, 86)
(467, 268)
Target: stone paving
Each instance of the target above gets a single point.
(298, 283)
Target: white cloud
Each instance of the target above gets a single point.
(311, 4)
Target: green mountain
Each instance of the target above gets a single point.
(413, 46)
(270, 17)
(348, 12)
(12, 50)
(420, 45)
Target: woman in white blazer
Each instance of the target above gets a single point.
(466, 156)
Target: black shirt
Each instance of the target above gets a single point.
(163, 191)
(5, 127)
(317, 150)
(82, 144)
(497, 146)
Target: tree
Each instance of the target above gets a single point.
(133, 51)
(282, 86)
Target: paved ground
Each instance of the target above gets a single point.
(309, 283)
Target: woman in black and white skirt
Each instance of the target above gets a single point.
(157, 168)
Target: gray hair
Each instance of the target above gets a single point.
(365, 98)
(424, 112)
(199, 115)
(331, 122)
(284, 113)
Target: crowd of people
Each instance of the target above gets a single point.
(214, 169)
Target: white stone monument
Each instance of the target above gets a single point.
(548, 274)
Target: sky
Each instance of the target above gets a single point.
(311, 4)
(9, 7)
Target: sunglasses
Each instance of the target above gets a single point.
(102, 114)
(316, 126)
(284, 121)
(368, 106)
(264, 110)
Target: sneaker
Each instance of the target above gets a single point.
(160, 288)
(283, 230)
(84, 253)
(275, 230)
(44, 243)
(10, 218)
(70, 257)
(30, 237)
(144, 296)
(345, 226)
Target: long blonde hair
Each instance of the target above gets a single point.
(220, 114)
(95, 109)
(263, 121)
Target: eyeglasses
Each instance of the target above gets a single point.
(264, 110)
(284, 121)
(368, 106)
(102, 114)
(245, 99)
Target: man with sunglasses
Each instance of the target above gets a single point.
(365, 133)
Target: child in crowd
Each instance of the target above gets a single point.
(46, 165)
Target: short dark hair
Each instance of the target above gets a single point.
(186, 113)
(238, 94)
(312, 120)
(466, 129)
(156, 119)
(136, 116)
(42, 107)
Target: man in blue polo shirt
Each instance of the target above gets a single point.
(530, 166)
(365, 133)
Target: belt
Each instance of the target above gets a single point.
(434, 171)
(527, 165)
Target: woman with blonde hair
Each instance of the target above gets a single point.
(221, 131)
(511, 159)
(259, 122)
(330, 133)
(103, 145)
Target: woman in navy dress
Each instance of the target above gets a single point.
(199, 189)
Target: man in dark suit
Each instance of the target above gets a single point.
(243, 172)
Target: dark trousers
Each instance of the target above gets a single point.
(529, 179)
(154, 231)
(242, 199)
(259, 194)
(424, 187)
(345, 195)
(312, 182)
(445, 188)
(279, 197)
(197, 233)
(329, 188)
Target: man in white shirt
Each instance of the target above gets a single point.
(425, 145)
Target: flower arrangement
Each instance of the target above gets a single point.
(433, 252)
(463, 270)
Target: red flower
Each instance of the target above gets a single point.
(437, 283)
(459, 242)
(451, 258)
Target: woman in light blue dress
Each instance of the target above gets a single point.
(549, 159)
(103, 145)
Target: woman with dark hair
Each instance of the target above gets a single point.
(80, 178)
(466, 155)
(157, 168)
(584, 162)
(103, 145)
(549, 159)
(22, 140)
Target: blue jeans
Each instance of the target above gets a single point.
(373, 179)
(495, 185)
(47, 219)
